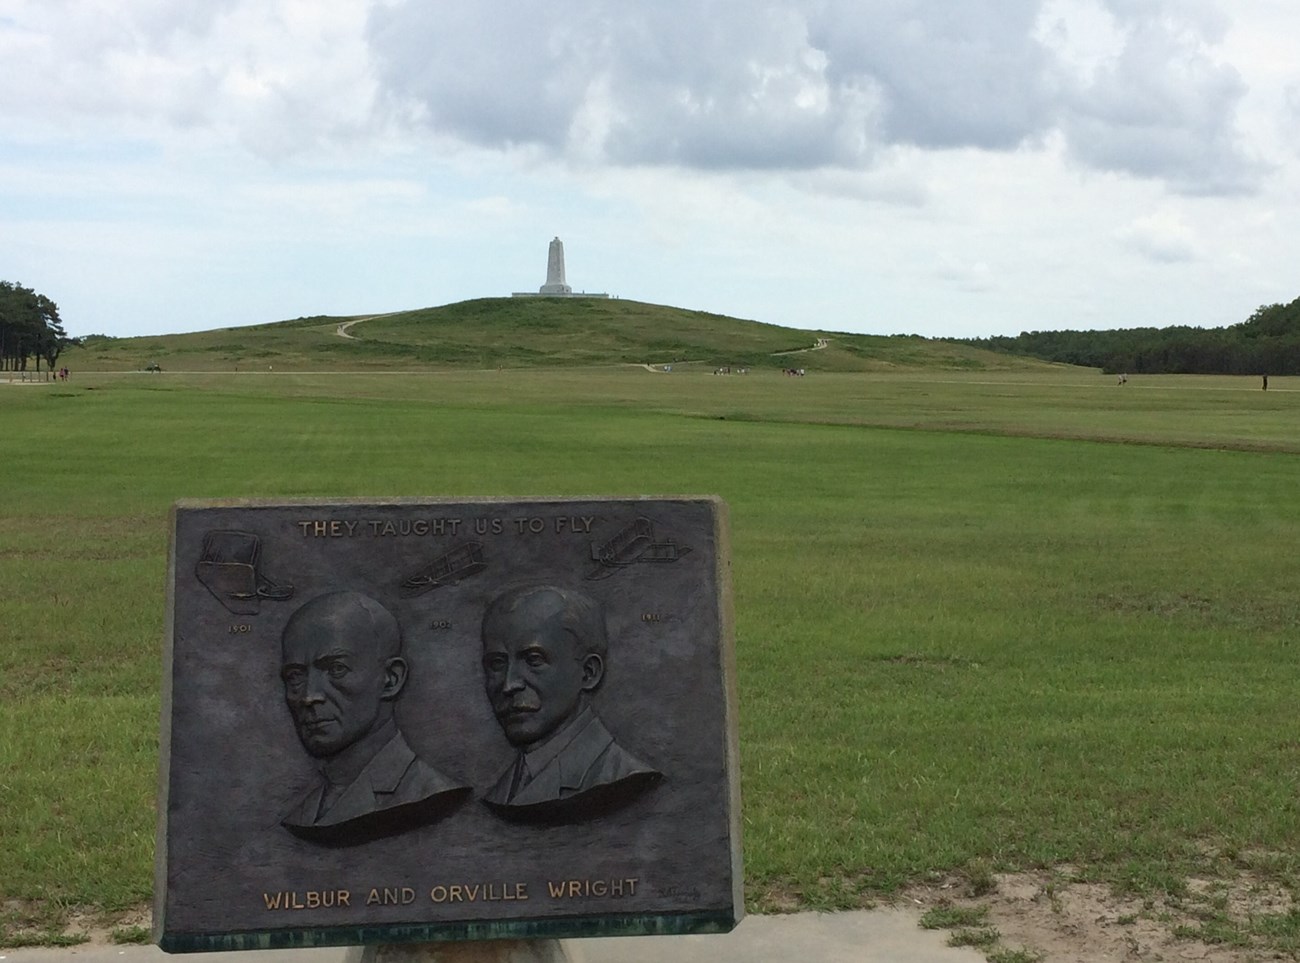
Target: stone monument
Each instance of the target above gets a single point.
(556, 286)
(450, 724)
(555, 270)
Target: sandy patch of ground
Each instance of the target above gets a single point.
(96, 929)
(1074, 922)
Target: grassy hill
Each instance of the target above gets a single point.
(526, 332)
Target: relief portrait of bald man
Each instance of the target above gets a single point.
(544, 656)
(342, 670)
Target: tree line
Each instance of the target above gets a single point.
(30, 329)
(1268, 342)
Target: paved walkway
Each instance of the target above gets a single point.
(867, 936)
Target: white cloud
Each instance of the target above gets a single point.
(1161, 237)
(1135, 86)
(965, 74)
(887, 183)
(1177, 123)
(280, 76)
(1291, 116)
(973, 277)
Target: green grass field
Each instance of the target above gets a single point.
(985, 620)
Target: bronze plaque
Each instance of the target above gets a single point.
(414, 720)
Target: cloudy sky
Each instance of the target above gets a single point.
(886, 166)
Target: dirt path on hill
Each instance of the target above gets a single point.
(821, 343)
(342, 329)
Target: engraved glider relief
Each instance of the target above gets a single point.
(342, 670)
(229, 569)
(449, 568)
(633, 545)
(544, 654)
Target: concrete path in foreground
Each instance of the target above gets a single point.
(867, 936)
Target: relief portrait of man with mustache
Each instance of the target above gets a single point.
(544, 655)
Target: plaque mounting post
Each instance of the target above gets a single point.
(491, 951)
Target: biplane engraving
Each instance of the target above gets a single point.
(229, 569)
(449, 568)
(633, 545)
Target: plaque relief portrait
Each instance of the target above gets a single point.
(544, 655)
(342, 671)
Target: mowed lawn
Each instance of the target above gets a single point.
(983, 621)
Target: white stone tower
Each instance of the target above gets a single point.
(555, 270)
